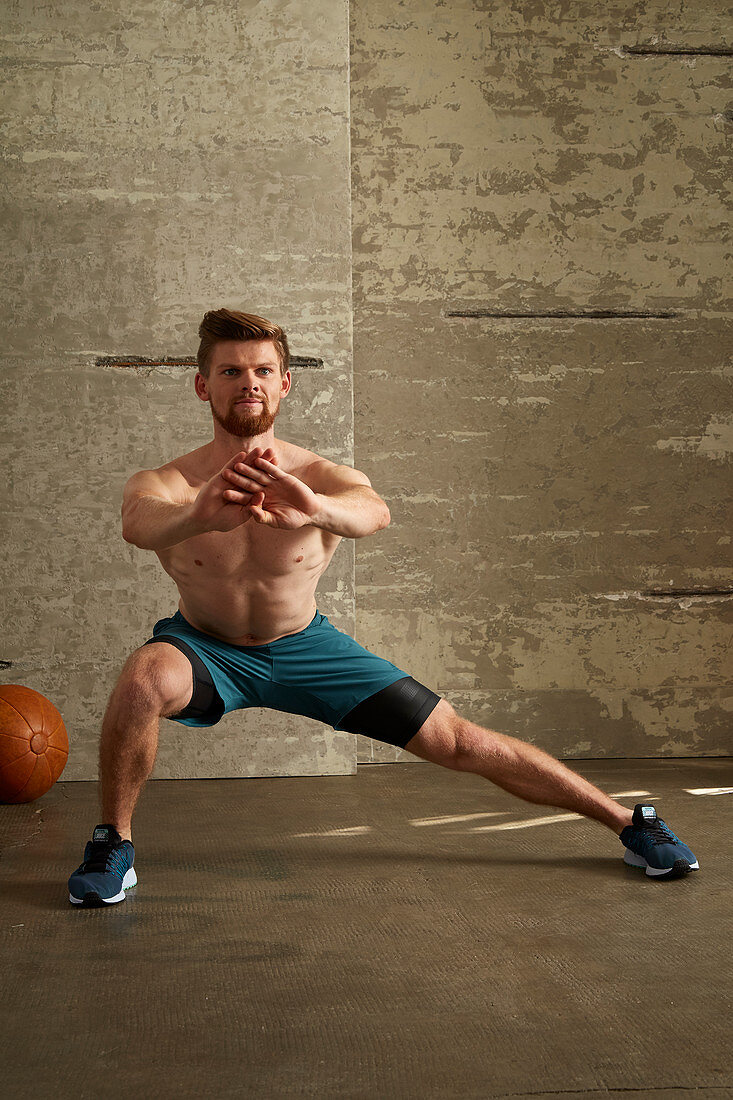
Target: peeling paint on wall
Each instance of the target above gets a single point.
(715, 443)
(542, 370)
(162, 159)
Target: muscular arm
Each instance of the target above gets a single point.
(334, 498)
(352, 511)
(152, 518)
(158, 511)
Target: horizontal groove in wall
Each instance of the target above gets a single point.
(686, 593)
(667, 50)
(184, 361)
(585, 314)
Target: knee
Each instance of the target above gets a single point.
(471, 743)
(477, 748)
(152, 683)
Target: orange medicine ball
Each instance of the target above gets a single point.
(34, 746)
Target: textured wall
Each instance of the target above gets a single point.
(547, 474)
(543, 473)
(161, 159)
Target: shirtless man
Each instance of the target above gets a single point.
(246, 525)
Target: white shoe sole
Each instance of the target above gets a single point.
(128, 881)
(633, 860)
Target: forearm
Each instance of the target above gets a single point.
(153, 524)
(351, 513)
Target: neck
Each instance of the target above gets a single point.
(224, 444)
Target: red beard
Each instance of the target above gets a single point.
(244, 423)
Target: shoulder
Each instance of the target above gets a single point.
(168, 482)
(319, 473)
(191, 466)
(325, 476)
(188, 472)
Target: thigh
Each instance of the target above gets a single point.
(436, 740)
(157, 674)
(395, 714)
(328, 672)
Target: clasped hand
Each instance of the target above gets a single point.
(271, 495)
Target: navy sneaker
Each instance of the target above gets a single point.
(106, 872)
(652, 844)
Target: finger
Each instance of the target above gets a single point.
(248, 473)
(231, 496)
(270, 468)
(240, 457)
(258, 513)
(257, 452)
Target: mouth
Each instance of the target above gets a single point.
(248, 402)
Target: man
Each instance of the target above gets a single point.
(246, 526)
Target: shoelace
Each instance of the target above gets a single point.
(106, 858)
(658, 833)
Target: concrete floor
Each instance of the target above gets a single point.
(351, 936)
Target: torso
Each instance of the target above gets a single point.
(254, 584)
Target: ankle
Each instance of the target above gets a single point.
(125, 831)
(621, 824)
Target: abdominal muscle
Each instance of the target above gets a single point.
(251, 585)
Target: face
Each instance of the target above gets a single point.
(244, 386)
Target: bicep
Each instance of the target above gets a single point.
(336, 479)
(146, 483)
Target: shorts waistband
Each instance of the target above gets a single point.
(317, 620)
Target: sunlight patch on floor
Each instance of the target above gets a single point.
(527, 823)
(420, 821)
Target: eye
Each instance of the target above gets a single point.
(266, 370)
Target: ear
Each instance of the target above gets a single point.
(201, 387)
(285, 384)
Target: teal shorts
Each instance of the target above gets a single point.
(320, 672)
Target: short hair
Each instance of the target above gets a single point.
(230, 324)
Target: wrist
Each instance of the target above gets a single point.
(320, 517)
(194, 521)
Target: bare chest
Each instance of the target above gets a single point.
(250, 552)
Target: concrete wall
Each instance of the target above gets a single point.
(547, 475)
(161, 159)
(543, 473)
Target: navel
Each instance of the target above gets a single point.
(197, 562)
(300, 558)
